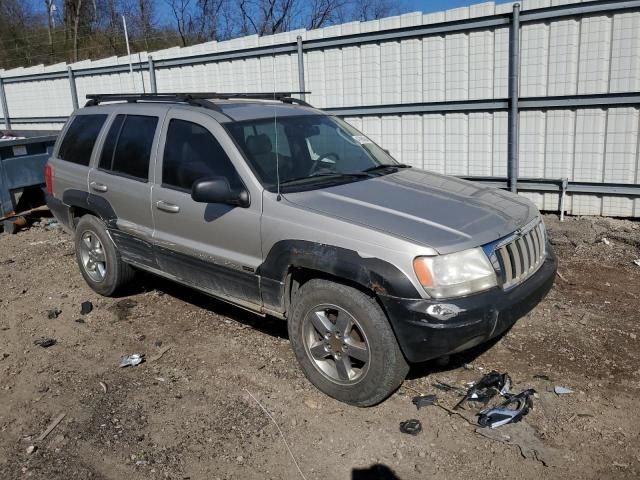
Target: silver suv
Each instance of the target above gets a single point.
(284, 210)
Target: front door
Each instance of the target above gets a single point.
(214, 247)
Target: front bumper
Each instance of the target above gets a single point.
(471, 320)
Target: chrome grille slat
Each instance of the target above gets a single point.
(522, 255)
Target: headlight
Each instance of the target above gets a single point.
(456, 274)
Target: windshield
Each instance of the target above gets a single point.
(310, 150)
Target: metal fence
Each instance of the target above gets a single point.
(544, 101)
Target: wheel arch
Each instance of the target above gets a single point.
(291, 261)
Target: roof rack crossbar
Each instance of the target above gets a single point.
(197, 98)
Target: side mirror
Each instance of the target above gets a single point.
(218, 190)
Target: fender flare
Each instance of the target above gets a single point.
(374, 274)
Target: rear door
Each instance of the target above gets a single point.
(214, 247)
(71, 160)
(120, 183)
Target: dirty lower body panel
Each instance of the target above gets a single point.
(428, 329)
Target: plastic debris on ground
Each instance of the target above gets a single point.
(86, 308)
(510, 411)
(132, 360)
(424, 401)
(411, 427)
(606, 241)
(45, 342)
(486, 388)
(560, 390)
(637, 262)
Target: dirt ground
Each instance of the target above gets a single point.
(189, 413)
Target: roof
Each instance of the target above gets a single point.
(225, 107)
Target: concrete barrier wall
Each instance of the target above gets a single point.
(590, 53)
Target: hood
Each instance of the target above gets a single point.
(438, 211)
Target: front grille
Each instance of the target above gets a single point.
(521, 255)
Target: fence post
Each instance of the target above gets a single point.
(5, 109)
(72, 88)
(514, 78)
(301, 68)
(152, 75)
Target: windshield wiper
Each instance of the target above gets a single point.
(385, 166)
(326, 175)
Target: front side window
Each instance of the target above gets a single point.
(192, 153)
(78, 142)
(306, 149)
(127, 148)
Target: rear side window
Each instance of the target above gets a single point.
(127, 148)
(192, 153)
(78, 142)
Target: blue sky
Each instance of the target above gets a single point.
(408, 5)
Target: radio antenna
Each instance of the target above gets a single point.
(275, 131)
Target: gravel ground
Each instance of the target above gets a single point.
(189, 413)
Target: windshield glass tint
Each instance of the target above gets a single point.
(307, 148)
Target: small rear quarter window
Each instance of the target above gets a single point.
(80, 138)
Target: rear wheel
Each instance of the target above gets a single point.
(344, 343)
(98, 258)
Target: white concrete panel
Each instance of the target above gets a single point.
(355, 122)
(370, 68)
(534, 47)
(352, 76)
(480, 144)
(411, 75)
(532, 143)
(412, 139)
(433, 145)
(501, 62)
(314, 78)
(433, 69)
(333, 77)
(595, 48)
(621, 150)
(457, 66)
(392, 135)
(617, 207)
(391, 81)
(372, 128)
(456, 144)
(251, 79)
(268, 74)
(589, 145)
(536, 198)
(563, 57)
(500, 123)
(480, 64)
(585, 205)
(625, 53)
(559, 144)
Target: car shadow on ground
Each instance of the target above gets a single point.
(453, 362)
(267, 324)
(278, 328)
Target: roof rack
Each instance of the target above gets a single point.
(201, 99)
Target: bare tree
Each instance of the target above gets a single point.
(365, 10)
(266, 17)
(196, 20)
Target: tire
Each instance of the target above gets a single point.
(94, 247)
(363, 365)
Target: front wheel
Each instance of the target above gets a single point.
(344, 343)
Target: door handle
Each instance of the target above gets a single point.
(99, 187)
(167, 207)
